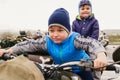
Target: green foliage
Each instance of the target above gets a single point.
(114, 38)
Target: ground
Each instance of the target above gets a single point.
(110, 75)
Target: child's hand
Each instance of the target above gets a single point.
(100, 61)
(2, 52)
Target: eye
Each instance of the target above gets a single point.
(82, 8)
(61, 30)
(50, 30)
(88, 8)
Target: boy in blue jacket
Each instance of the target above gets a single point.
(64, 45)
(85, 23)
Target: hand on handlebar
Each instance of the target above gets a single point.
(2, 51)
(100, 62)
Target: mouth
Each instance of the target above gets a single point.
(85, 13)
(56, 40)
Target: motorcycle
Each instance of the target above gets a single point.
(64, 71)
(104, 42)
(103, 38)
(56, 72)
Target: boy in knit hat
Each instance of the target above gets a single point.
(64, 45)
(85, 23)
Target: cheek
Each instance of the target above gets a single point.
(81, 13)
(89, 11)
(50, 35)
(64, 36)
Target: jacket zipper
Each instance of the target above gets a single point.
(61, 54)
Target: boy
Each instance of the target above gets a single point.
(63, 45)
(85, 23)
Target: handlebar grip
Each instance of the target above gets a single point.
(110, 68)
(7, 56)
(115, 68)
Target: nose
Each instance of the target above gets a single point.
(55, 33)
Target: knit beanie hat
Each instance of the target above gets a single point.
(83, 2)
(60, 17)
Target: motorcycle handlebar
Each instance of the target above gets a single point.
(7, 56)
(84, 63)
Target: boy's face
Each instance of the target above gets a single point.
(57, 34)
(85, 11)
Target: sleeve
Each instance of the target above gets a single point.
(88, 44)
(95, 33)
(73, 26)
(30, 46)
